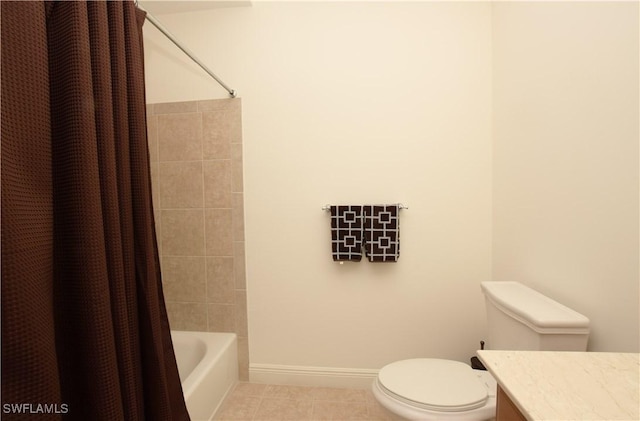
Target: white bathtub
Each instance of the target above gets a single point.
(208, 367)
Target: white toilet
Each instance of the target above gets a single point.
(518, 318)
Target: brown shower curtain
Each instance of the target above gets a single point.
(85, 334)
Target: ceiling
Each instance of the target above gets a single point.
(160, 7)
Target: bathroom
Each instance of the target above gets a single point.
(508, 129)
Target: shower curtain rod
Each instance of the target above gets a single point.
(173, 39)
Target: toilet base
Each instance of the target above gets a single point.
(486, 412)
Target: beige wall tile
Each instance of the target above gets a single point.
(224, 105)
(220, 280)
(155, 186)
(234, 115)
(182, 233)
(235, 131)
(187, 316)
(216, 150)
(217, 183)
(239, 265)
(236, 151)
(152, 142)
(237, 175)
(221, 317)
(199, 207)
(243, 358)
(238, 216)
(216, 143)
(179, 137)
(181, 184)
(158, 228)
(184, 278)
(219, 232)
(242, 326)
(176, 107)
(152, 137)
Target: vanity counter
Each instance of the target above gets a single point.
(546, 385)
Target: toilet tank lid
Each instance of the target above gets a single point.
(535, 308)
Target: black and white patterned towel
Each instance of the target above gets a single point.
(382, 233)
(346, 233)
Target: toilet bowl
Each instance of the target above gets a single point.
(518, 318)
(433, 389)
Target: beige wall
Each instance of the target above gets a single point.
(196, 167)
(359, 102)
(367, 103)
(565, 159)
(353, 103)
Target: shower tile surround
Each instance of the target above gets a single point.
(196, 173)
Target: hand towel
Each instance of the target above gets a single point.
(346, 233)
(382, 233)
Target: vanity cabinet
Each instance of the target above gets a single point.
(506, 409)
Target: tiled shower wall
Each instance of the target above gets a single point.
(196, 171)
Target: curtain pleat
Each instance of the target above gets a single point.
(28, 330)
(107, 351)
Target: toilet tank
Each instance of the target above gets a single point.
(519, 318)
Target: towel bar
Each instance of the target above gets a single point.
(400, 206)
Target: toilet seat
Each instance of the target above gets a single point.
(428, 388)
(436, 385)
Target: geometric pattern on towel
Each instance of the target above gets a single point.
(382, 233)
(346, 233)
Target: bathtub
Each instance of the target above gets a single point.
(208, 368)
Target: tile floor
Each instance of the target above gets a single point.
(253, 402)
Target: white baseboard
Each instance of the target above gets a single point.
(353, 378)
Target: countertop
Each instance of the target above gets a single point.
(547, 385)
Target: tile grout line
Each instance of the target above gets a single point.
(204, 217)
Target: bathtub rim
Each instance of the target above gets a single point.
(199, 387)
